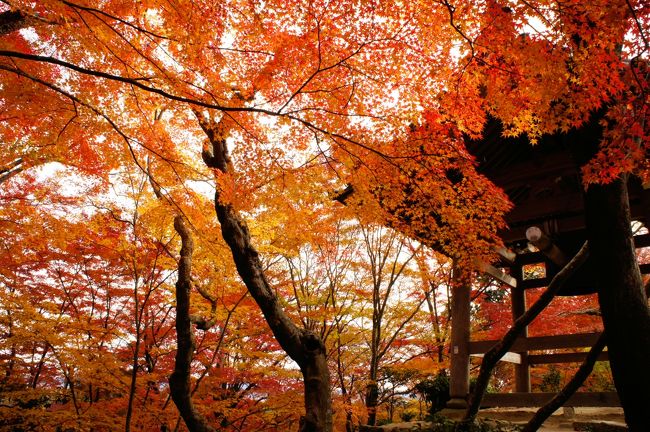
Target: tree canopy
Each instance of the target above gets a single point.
(107, 108)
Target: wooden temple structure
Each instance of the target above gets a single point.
(546, 226)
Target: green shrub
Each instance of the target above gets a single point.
(435, 391)
(551, 380)
(407, 416)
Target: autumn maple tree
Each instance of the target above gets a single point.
(316, 97)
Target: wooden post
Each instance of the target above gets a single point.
(541, 241)
(518, 296)
(460, 321)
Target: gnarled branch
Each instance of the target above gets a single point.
(569, 389)
(497, 351)
(302, 345)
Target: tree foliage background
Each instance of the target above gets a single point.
(100, 107)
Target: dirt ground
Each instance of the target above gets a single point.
(560, 421)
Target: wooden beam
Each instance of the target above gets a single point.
(579, 399)
(508, 255)
(579, 340)
(562, 203)
(531, 258)
(578, 357)
(535, 170)
(534, 283)
(645, 268)
(566, 222)
(508, 357)
(495, 273)
(511, 357)
(543, 242)
(641, 240)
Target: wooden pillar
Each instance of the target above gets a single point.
(518, 297)
(460, 324)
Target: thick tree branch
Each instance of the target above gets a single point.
(201, 322)
(497, 351)
(569, 389)
(12, 21)
(11, 169)
(138, 82)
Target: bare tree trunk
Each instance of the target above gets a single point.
(135, 360)
(384, 252)
(435, 319)
(372, 397)
(372, 389)
(569, 389)
(347, 397)
(303, 346)
(179, 381)
(623, 302)
(496, 352)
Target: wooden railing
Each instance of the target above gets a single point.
(579, 399)
(523, 344)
